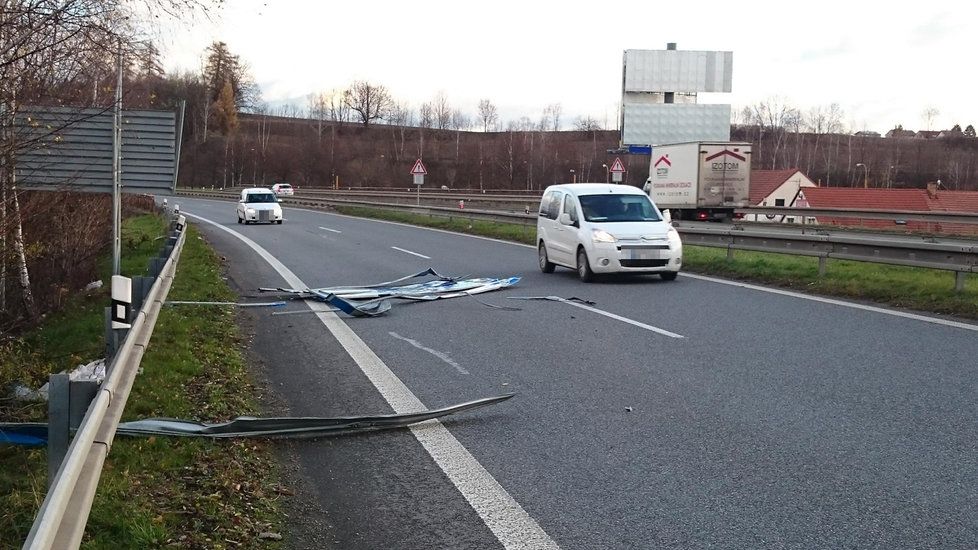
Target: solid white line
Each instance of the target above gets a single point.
(513, 527)
(832, 301)
(412, 253)
(328, 229)
(656, 330)
(439, 354)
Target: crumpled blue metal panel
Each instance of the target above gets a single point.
(372, 300)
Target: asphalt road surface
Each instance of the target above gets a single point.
(686, 414)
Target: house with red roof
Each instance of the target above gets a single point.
(776, 188)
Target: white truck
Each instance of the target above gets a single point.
(700, 180)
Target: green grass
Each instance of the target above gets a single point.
(156, 492)
(908, 287)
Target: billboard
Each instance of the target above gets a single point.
(658, 123)
(677, 71)
(71, 149)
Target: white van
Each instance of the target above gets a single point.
(258, 204)
(605, 228)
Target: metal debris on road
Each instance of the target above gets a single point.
(375, 299)
(237, 304)
(554, 299)
(247, 426)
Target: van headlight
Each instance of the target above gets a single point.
(602, 236)
(250, 211)
(674, 240)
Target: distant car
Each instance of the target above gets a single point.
(283, 190)
(605, 228)
(259, 204)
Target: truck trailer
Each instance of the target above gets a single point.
(700, 180)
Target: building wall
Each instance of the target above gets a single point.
(787, 192)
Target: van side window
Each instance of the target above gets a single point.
(545, 204)
(570, 208)
(555, 201)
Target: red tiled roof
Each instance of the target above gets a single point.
(894, 199)
(856, 197)
(954, 201)
(764, 182)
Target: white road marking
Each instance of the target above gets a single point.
(439, 354)
(331, 230)
(633, 322)
(835, 302)
(508, 521)
(412, 253)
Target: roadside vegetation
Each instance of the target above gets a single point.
(896, 286)
(154, 492)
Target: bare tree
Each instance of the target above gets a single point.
(370, 101)
(773, 118)
(442, 111)
(426, 115)
(586, 124)
(488, 114)
(550, 121)
(928, 116)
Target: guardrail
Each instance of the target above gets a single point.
(61, 520)
(961, 257)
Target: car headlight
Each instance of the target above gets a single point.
(674, 239)
(250, 210)
(602, 236)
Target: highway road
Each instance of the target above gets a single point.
(689, 414)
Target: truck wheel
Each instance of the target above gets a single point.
(583, 267)
(546, 265)
(669, 275)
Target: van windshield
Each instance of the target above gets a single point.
(618, 208)
(260, 197)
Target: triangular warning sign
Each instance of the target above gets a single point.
(419, 169)
(617, 166)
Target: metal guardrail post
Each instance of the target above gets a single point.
(959, 281)
(59, 433)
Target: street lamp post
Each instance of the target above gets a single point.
(865, 174)
(573, 176)
(607, 173)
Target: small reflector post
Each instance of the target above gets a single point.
(121, 301)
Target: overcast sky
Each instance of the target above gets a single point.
(883, 63)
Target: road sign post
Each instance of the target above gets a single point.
(419, 172)
(617, 170)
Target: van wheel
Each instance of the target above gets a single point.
(669, 275)
(583, 267)
(239, 219)
(546, 265)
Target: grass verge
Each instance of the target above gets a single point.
(906, 287)
(155, 492)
